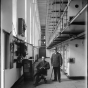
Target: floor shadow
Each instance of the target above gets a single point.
(66, 80)
(70, 79)
(48, 82)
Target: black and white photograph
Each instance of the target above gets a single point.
(43, 44)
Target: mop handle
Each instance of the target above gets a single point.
(51, 74)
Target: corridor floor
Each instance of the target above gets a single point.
(65, 83)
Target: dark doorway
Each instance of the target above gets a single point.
(42, 52)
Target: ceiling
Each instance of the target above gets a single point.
(42, 6)
(50, 12)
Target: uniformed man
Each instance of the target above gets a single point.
(56, 62)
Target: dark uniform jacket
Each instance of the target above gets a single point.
(44, 65)
(56, 60)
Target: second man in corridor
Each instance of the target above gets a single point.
(56, 62)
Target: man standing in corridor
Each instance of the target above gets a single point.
(56, 62)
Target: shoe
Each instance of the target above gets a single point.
(45, 81)
(35, 84)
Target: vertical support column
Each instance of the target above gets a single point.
(29, 15)
(6, 24)
(33, 29)
(46, 31)
(0, 56)
(26, 19)
(30, 23)
(6, 15)
(86, 66)
(14, 17)
(21, 9)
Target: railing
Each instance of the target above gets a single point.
(65, 19)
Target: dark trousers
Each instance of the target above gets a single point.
(39, 75)
(38, 78)
(57, 73)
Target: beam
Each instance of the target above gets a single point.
(54, 17)
(77, 23)
(57, 11)
(52, 25)
(59, 2)
(54, 22)
(61, 40)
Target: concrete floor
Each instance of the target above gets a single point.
(65, 82)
